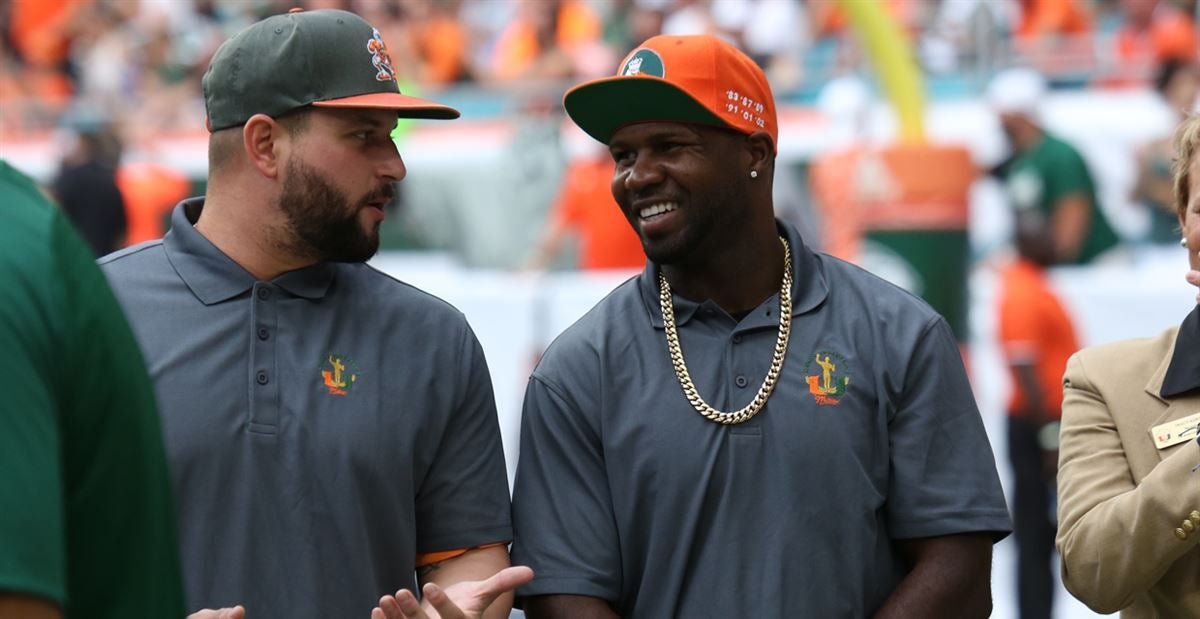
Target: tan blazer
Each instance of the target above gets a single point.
(1121, 499)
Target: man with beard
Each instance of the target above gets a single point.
(658, 479)
(330, 430)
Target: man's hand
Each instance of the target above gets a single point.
(237, 612)
(464, 600)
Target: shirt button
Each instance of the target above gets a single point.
(740, 381)
(1195, 517)
(262, 378)
(264, 293)
(1181, 534)
(737, 339)
(263, 334)
(1188, 526)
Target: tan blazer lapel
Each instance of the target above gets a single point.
(1177, 408)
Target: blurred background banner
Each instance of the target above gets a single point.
(892, 152)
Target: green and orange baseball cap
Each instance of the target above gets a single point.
(325, 58)
(696, 79)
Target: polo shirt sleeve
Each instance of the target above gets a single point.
(943, 476)
(562, 509)
(462, 502)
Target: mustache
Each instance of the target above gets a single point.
(386, 192)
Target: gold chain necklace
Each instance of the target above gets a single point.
(681, 371)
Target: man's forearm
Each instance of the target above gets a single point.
(951, 577)
(568, 607)
(476, 564)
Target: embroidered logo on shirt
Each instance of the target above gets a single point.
(340, 374)
(824, 382)
(380, 58)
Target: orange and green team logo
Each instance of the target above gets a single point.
(824, 383)
(340, 374)
(380, 58)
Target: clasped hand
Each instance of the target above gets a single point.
(463, 600)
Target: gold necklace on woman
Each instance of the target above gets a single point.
(681, 371)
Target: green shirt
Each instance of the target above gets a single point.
(1049, 172)
(85, 512)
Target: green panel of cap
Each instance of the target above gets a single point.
(603, 106)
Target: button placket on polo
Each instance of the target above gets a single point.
(739, 377)
(742, 346)
(263, 381)
(740, 351)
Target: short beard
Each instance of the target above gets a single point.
(321, 224)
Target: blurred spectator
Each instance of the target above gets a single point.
(105, 58)
(629, 22)
(1056, 37)
(774, 34)
(34, 81)
(1037, 338)
(150, 190)
(585, 208)
(1178, 84)
(540, 42)
(441, 42)
(1155, 31)
(40, 31)
(1042, 19)
(967, 33)
(1046, 174)
(644, 22)
(829, 18)
(86, 186)
(689, 17)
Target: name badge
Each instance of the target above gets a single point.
(1175, 432)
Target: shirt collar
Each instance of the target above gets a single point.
(808, 288)
(214, 277)
(1183, 375)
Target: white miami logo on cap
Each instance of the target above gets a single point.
(643, 62)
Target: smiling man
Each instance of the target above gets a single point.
(329, 429)
(748, 428)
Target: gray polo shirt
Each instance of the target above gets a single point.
(624, 492)
(322, 428)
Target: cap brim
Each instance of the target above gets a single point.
(406, 106)
(600, 107)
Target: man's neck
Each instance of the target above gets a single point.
(736, 278)
(1030, 137)
(245, 241)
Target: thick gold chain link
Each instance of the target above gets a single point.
(685, 379)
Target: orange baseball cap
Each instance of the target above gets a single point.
(696, 79)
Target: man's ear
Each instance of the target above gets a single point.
(262, 139)
(762, 151)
